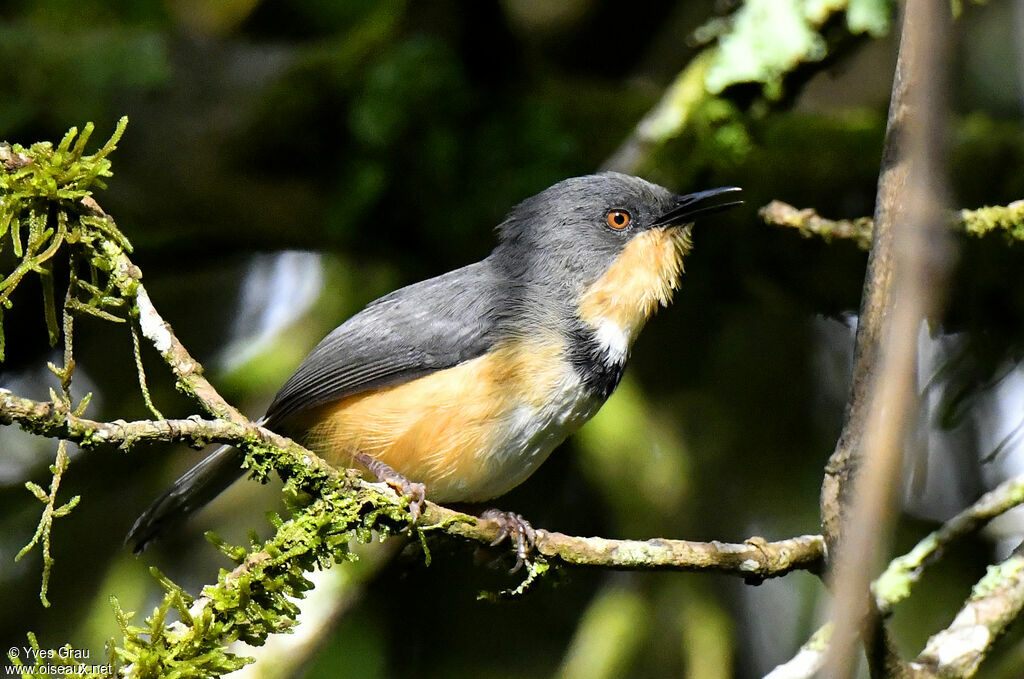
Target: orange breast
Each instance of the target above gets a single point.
(470, 432)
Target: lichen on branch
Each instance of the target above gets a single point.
(1005, 219)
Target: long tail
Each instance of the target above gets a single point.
(192, 491)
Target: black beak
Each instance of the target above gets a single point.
(693, 205)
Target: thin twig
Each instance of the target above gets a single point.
(1005, 219)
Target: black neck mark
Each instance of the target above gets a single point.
(598, 371)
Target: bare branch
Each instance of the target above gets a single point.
(906, 267)
(754, 560)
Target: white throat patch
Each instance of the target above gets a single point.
(613, 340)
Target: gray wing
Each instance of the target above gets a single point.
(414, 331)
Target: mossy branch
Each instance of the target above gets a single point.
(755, 559)
(258, 596)
(1005, 219)
(955, 652)
(255, 599)
(39, 187)
(994, 602)
(895, 583)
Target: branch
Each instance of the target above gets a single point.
(995, 602)
(907, 266)
(808, 660)
(1008, 219)
(810, 223)
(189, 373)
(893, 585)
(755, 559)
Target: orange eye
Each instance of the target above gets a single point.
(618, 219)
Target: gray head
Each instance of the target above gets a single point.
(573, 232)
(600, 252)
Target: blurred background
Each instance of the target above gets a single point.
(288, 161)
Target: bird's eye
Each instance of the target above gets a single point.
(618, 219)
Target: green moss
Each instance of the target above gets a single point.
(894, 584)
(536, 568)
(256, 598)
(51, 511)
(41, 189)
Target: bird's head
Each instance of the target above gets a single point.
(609, 244)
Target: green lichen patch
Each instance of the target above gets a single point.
(998, 576)
(1009, 219)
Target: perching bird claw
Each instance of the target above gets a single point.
(416, 492)
(517, 530)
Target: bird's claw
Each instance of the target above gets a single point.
(415, 492)
(517, 530)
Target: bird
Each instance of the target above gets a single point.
(458, 387)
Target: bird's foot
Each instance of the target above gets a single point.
(416, 492)
(517, 530)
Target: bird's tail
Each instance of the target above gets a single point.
(192, 491)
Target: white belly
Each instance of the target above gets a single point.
(529, 434)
